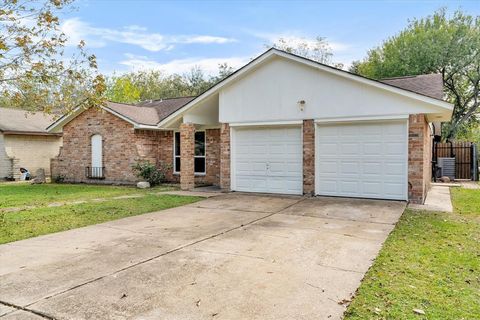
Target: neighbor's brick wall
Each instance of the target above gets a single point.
(308, 157)
(22, 147)
(5, 161)
(225, 156)
(419, 158)
(119, 148)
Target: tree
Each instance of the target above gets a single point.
(435, 44)
(318, 50)
(35, 73)
(153, 84)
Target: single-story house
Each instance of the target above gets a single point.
(25, 142)
(281, 124)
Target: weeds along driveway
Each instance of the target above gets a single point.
(233, 256)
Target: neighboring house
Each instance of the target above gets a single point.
(25, 142)
(281, 124)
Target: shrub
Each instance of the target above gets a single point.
(59, 179)
(150, 172)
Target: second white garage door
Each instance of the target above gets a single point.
(366, 160)
(267, 160)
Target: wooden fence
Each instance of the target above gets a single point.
(464, 157)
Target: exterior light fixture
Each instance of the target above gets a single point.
(301, 104)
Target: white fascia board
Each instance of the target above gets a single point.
(66, 118)
(366, 118)
(261, 124)
(274, 52)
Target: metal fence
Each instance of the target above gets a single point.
(465, 154)
(95, 172)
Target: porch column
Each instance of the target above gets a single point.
(308, 157)
(187, 152)
(225, 157)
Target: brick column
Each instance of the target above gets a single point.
(225, 157)
(308, 157)
(419, 158)
(187, 152)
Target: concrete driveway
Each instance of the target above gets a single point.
(233, 256)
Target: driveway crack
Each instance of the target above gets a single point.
(32, 311)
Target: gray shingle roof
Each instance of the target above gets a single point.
(16, 120)
(430, 85)
(149, 112)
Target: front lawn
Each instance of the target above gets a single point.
(38, 221)
(429, 267)
(26, 194)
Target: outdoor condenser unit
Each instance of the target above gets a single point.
(447, 167)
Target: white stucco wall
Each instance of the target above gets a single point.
(5, 161)
(272, 91)
(32, 152)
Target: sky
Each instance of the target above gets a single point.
(175, 36)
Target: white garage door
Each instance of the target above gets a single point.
(367, 160)
(267, 160)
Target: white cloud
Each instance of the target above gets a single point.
(208, 65)
(77, 30)
(296, 38)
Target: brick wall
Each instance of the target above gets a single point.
(119, 148)
(5, 161)
(419, 158)
(225, 156)
(187, 150)
(22, 147)
(308, 157)
(122, 147)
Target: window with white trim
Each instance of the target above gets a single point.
(199, 156)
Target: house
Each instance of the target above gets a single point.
(281, 124)
(25, 142)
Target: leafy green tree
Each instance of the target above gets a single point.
(124, 90)
(153, 84)
(435, 44)
(318, 50)
(35, 72)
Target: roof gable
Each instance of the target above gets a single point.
(144, 115)
(275, 53)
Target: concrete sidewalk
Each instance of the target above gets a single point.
(438, 199)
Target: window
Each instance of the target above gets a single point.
(176, 147)
(199, 156)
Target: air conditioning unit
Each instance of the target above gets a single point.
(447, 167)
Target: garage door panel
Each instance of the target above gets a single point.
(277, 161)
(370, 163)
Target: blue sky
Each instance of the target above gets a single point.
(175, 36)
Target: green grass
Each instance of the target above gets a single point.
(34, 222)
(25, 194)
(431, 261)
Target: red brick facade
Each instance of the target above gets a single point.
(119, 148)
(225, 156)
(187, 149)
(419, 158)
(123, 146)
(308, 157)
